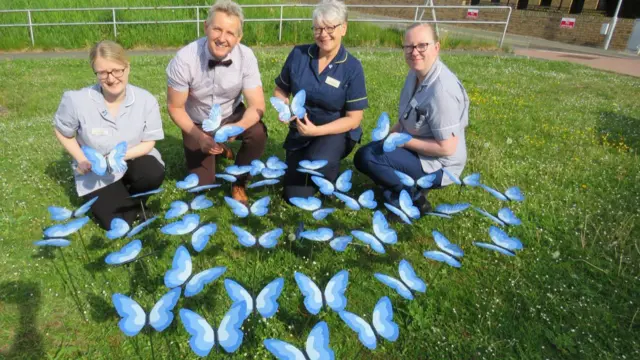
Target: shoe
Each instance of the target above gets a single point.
(227, 153)
(239, 193)
(422, 204)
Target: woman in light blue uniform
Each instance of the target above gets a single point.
(100, 117)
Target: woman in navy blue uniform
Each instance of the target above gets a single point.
(336, 98)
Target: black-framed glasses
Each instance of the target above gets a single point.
(327, 29)
(103, 75)
(422, 47)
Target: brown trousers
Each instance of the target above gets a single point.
(253, 140)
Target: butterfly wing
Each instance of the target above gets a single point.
(394, 140)
(59, 213)
(117, 164)
(335, 289)
(406, 204)
(452, 177)
(147, 193)
(213, 122)
(260, 183)
(472, 180)
(161, 315)
(343, 183)
(491, 217)
(267, 299)
(494, 247)
(514, 194)
(118, 229)
(201, 202)
(256, 167)
(395, 284)
(227, 177)
(297, 104)
(405, 179)
(276, 164)
(53, 242)
(176, 209)
(189, 182)
(126, 254)
(409, 277)
(272, 173)
(133, 317)
(230, 333)
(261, 206)
(245, 238)
(310, 172)
(238, 294)
(321, 234)
(310, 291)
(282, 350)
(188, 223)
(497, 194)
(317, 344)
(506, 215)
(501, 238)
(181, 268)
(382, 230)
(64, 230)
(398, 212)
(204, 187)
(383, 320)
(365, 332)
(97, 160)
(201, 237)
(367, 199)
(382, 127)
(284, 114)
(236, 170)
(325, 186)
(340, 243)
(313, 164)
(141, 227)
(321, 214)
(426, 181)
(310, 203)
(451, 209)
(84, 208)
(442, 257)
(202, 335)
(444, 244)
(370, 240)
(238, 208)
(195, 285)
(224, 133)
(270, 239)
(349, 201)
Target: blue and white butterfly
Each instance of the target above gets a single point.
(407, 210)
(469, 180)
(120, 228)
(275, 163)
(202, 233)
(382, 127)
(394, 140)
(179, 208)
(212, 125)
(326, 187)
(446, 210)
(237, 170)
(505, 217)
(269, 173)
(366, 200)
(408, 282)
(147, 193)
(325, 234)
(227, 177)
(382, 321)
(502, 243)
(311, 167)
(268, 240)
(511, 194)
(450, 254)
(112, 163)
(316, 348)
(54, 242)
(333, 295)
(134, 317)
(127, 254)
(297, 106)
(203, 337)
(256, 167)
(60, 213)
(181, 270)
(424, 182)
(310, 203)
(64, 230)
(189, 182)
(383, 234)
(321, 214)
(259, 208)
(266, 303)
(265, 182)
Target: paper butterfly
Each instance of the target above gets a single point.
(134, 317)
(191, 223)
(333, 295)
(316, 348)
(55, 242)
(382, 321)
(120, 227)
(64, 230)
(505, 217)
(268, 173)
(147, 193)
(276, 164)
(179, 208)
(203, 337)
(125, 255)
(266, 303)
(407, 283)
(260, 183)
(310, 166)
(382, 127)
(297, 106)
(502, 243)
(512, 193)
(191, 181)
(407, 210)
(383, 234)
(259, 208)
(366, 200)
(180, 274)
(113, 163)
(470, 180)
(267, 240)
(446, 210)
(450, 254)
(343, 183)
(394, 140)
(236, 170)
(424, 182)
(227, 177)
(212, 124)
(60, 213)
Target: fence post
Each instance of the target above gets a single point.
(280, 33)
(33, 43)
(198, 20)
(115, 31)
(504, 33)
(415, 16)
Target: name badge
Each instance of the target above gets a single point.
(99, 131)
(333, 82)
(413, 103)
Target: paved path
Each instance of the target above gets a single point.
(627, 66)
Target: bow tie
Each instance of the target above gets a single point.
(214, 63)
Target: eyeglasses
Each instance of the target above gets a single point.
(422, 47)
(328, 29)
(103, 75)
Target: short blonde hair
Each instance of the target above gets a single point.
(427, 26)
(109, 50)
(330, 11)
(228, 7)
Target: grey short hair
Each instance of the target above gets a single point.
(329, 11)
(434, 34)
(228, 7)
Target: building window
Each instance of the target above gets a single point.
(545, 2)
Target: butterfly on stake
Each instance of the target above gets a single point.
(407, 210)
(112, 163)
(259, 208)
(265, 182)
(212, 124)
(311, 167)
(446, 210)
(326, 187)
(190, 183)
(325, 234)
(313, 204)
(60, 213)
(472, 180)
(511, 194)
(134, 318)
(268, 240)
(147, 193)
(181, 270)
(296, 109)
(179, 208)
(382, 234)
(203, 337)
(202, 233)
(502, 243)
(265, 303)
(381, 132)
(316, 347)
(382, 324)
(451, 254)
(54, 235)
(120, 228)
(332, 296)
(366, 200)
(424, 182)
(408, 283)
(505, 217)
(126, 254)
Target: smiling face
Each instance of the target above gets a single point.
(223, 33)
(112, 75)
(328, 35)
(415, 40)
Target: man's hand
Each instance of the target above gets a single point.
(207, 144)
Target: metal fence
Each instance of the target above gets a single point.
(418, 17)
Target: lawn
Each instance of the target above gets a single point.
(567, 135)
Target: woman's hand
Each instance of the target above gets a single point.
(84, 166)
(307, 128)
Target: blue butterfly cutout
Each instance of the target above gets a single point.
(502, 243)
(310, 203)
(266, 303)
(382, 321)
(311, 167)
(256, 167)
(321, 234)
(268, 173)
(265, 182)
(446, 210)
(60, 213)
(202, 233)
(333, 295)
(424, 182)
(127, 254)
(407, 210)
(450, 254)
(383, 234)
(407, 283)
(147, 193)
(326, 187)
(120, 228)
(237, 170)
(276, 164)
(179, 208)
(268, 240)
(134, 317)
(203, 337)
(321, 214)
(54, 242)
(112, 163)
(297, 106)
(469, 180)
(227, 177)
(382, 127)
(189, 182)
(316, 348)
(64, 230)
(203, 188)
(505, 217)
(181, 270)
(213, 122)
(259, 208)
(228, 131)
(394, 140)
(511, 194)
(366, 200)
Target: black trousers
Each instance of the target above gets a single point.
(143, 174)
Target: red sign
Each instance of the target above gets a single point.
(568, 23)
(472, 13)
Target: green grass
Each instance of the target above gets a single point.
(174, 35)
(566, 134)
